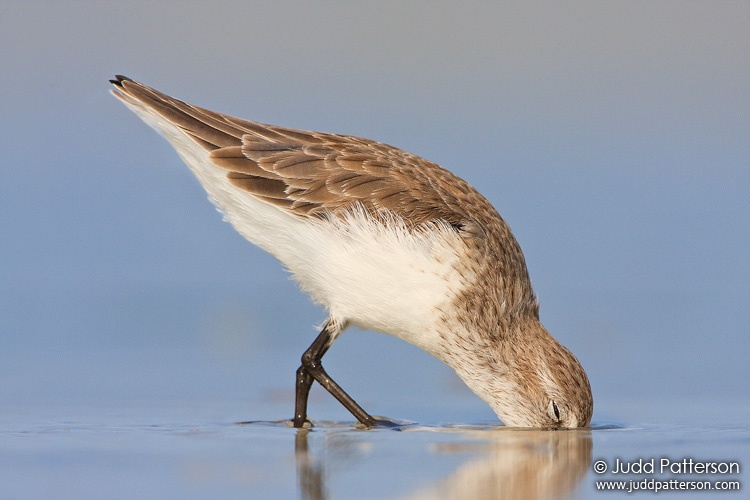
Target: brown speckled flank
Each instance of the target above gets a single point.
(384, 240)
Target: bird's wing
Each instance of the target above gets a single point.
(313, 173)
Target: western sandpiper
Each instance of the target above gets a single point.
(386, 241)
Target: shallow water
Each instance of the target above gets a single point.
(120, 455)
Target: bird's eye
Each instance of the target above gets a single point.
(555, 411)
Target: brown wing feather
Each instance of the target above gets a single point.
(315, 174)
(326, 173)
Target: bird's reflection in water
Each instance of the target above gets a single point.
(531, 464)
(504, 463)
(309, 471)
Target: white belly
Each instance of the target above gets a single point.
(376, 275)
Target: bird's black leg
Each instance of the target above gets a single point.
(304, 383)
(312, 369)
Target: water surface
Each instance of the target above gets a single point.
(176, 456)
